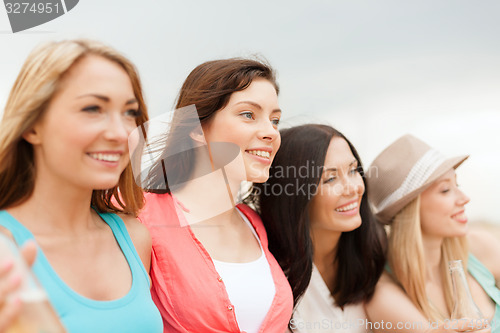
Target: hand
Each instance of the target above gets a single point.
(11, 307)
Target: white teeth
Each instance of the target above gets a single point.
(348, 207)
(260, 153)
(106, 157)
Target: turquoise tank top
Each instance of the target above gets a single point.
(134, 312)
(487, 281)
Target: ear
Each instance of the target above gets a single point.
(198, 136)
(32, 136)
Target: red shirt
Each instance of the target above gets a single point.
(187, 289)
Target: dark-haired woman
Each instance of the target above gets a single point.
(211, 267)
(321, 230)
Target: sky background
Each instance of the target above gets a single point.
(375, 70)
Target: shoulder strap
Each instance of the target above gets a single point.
(124, 241)
(256, 222)
(19, 231)
(484, 277)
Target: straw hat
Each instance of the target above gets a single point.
(402, 171)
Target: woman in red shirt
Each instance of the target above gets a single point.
(211, 267)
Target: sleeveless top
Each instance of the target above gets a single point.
(487, 281)
(134, 312)
(188, 290)
(250, 287)
(317, 311)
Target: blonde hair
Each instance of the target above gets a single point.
(38, 81)
(407, 261)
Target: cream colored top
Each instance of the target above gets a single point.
(317, 311)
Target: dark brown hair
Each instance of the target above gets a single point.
(208, 87)
(360, 256)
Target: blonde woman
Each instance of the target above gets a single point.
(414, 190)
(63, 162)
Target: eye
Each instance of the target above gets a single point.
(247, 114)
(354, 171)
(133, 113)
(275, 122)
(329, 179)
(92, 108)
(446, 190)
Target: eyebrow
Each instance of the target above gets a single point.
(106, 99)
(256, 105)
(350, 164)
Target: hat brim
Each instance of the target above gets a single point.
(387, 214)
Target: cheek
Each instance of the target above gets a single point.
(60, 139)
(131, 126)
(326, 199)
(430, 216)
(433, 208)
(361, 186)
(277, 142)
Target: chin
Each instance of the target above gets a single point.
(259, 178)
(354, 225)
(463, 232)
(105, 184)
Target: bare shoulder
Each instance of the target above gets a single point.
(392, 306)
(385, 290)
(135, 228)
(486, 247)
(140, 236)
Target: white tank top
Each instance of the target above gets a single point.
(250, 287)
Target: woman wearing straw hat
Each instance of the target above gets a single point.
(321, 229)
(414, 189)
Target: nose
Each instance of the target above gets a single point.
(463, 199)
(352, 186)
(116, 128)
(268, 131)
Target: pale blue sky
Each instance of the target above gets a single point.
(374, 69)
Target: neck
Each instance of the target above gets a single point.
(325, 251)
(432, 254)
(209, 195)
(55, 207)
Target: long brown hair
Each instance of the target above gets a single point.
(360, 257)
(208, 87)
(37, 83)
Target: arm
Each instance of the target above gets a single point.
(140, 237)
(486, 248)
(391, 306)
(390, 310)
